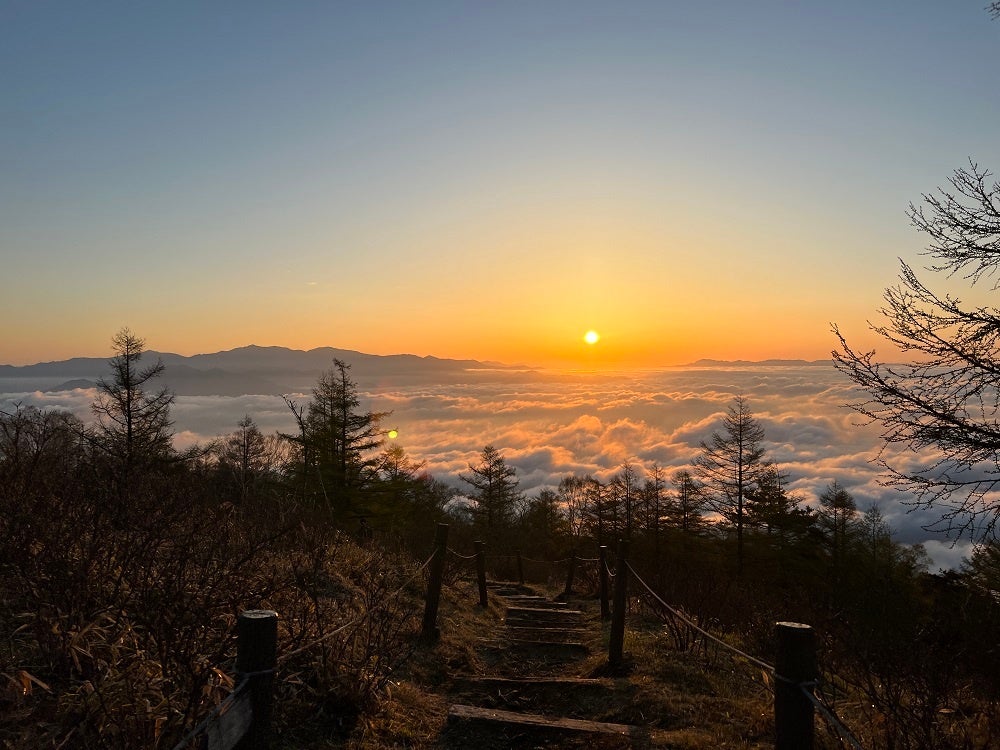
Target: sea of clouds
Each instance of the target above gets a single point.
(550, 424)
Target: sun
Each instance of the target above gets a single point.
(591, 337)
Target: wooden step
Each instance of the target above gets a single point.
(515, 724)
(569, 696)
(539, 614)
(551, 648)
(554, 635)
(540, 602)
(551, 627)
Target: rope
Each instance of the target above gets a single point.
(286, 656)
(245, 677)
(691, 623)
(587, 559)
(540, 562)
(360, 617)
(832, 720)
(461, 557)
(215, 712)
(610, 572)
(806, 687)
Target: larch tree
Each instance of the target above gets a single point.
(599, 512)
(653, 505)
(684, 510)
(544, 528)
(133, 425)
(624, 493)
(773, 508)
(248, 458)
(731, 463)
(837, 518)
(405, 497)
(338, 442)
(573, 498)
(496, 495)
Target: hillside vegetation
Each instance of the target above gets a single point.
(124, 563)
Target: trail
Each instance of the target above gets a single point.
(537, 697)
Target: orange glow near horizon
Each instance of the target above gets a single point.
(541, 331)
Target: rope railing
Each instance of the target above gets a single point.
(246, 678)
(807, 687)
(360, 617)
(224, 704)
(832, 720)
(691, 623)
(537, 562)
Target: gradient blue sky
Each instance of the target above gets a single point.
(483, 180)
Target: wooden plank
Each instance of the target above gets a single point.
(545, 634)
(506, 683)
(535, 602)
(543, 612)
(475, 714)
(549, 646)
(551, 627)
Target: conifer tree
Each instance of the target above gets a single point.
(731, 463)
(133, 425)
(495, 491)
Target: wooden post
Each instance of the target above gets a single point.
(430, 629)
(570, 574)
(481, 571)
(617, 640)
(520, 569)
(795, 671)
(256, 657)
(602, 565)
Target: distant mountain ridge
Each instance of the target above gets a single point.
(252, 370)
(272, 370)
(761, 363)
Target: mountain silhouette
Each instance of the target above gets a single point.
(253, 370)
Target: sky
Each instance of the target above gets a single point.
(472, 179)
(551, 425)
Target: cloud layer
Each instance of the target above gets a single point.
(551, 425)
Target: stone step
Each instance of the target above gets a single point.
(519, 728)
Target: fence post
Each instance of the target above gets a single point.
(570, 574)
(256, 655)
(617, 639)
(430, 629)
(602, 565)
(520, 569)
(795, 671)
(481, 571)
